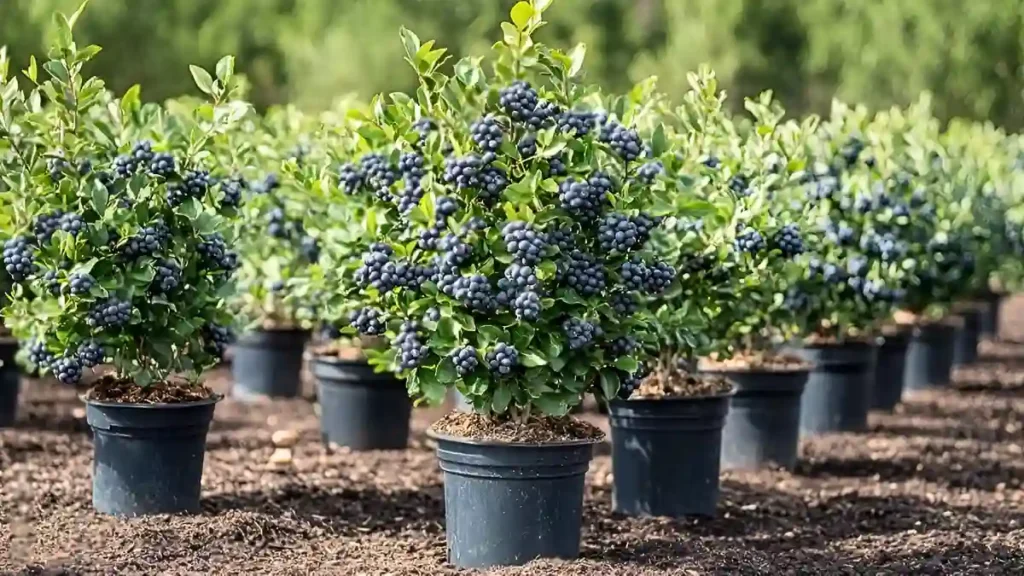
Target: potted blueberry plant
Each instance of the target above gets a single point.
(932, 234)
(505, 279)
(848, 288)
(121, 261)
(363, 405)
(278, 258)
(756, 244)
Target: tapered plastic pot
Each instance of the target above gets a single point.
(965, 339)
(507, 504)
(666, 455)
(838, 391)
(10, 378)
(892, 361)
(988, 324)
(762, 427)
(359, 408)
(148, 458)
(268, 363)
(930, 357)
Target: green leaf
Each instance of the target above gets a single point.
(202, 78)
(191, 209)
(521, 14)
(626, 364)
(531, 360)
(411, 43)
(78, 14)
(552, 405)
(579, 52)
(57, 69)
(502, 397)
(99, 197)
(225, 69)
(490, 334)
(610, 383)
(130, 102)
(446, 372)
(64, 36)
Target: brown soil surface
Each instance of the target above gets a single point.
(535, 430)
(109, 389)
(759, 361)
(935, 488)
(678, 384)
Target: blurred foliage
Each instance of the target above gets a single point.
(879, 52)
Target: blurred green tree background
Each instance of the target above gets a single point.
(310, 52)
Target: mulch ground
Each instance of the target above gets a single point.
(934, 488)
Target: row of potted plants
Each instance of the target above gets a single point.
(721, 282)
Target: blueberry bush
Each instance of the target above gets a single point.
(509, 228)
(118, 247)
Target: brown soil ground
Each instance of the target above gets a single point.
(934, 488)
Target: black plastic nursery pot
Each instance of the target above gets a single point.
(762, 427)
(10, 377)
(892, 361)
(268, 363)
(666, 455)
(360, 408)
(507, 504)
(838, 392)
(930, 356)
(989, 319)
(148, 458)
(965, 340)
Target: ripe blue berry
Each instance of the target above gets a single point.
(167, 276)
(162, 164)
(518, 100)
(68, 370)
(526, 245)
(110, 312)
(72, 223)
(622, 346)
(38, 355)
(649, 171)
(475, 292)
(378, 175)
(377, 270)
(624, 303)
(465, 359)
(90, 354)
(432, 315)
(193, 184)
(231, 189)
(576, 121)
(740, 185)
(81, 283)
(787, 239)
(634, 273)
(502, 359)
(581, 333)
(527, 146)
(367, 321)
(583, 273)
(410, 348)
(625, 142)
(617, 233)
(350, 178)
(19, 258)
(215, 254)
(52, 282)
(46, 224)
(749, 240)
(216, 338)
(487, 134)
(463, 172)
(527, 306)
(659, 277)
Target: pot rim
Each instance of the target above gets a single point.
(163, 405)
(476, 442)
(733, 388)
(719, 371)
